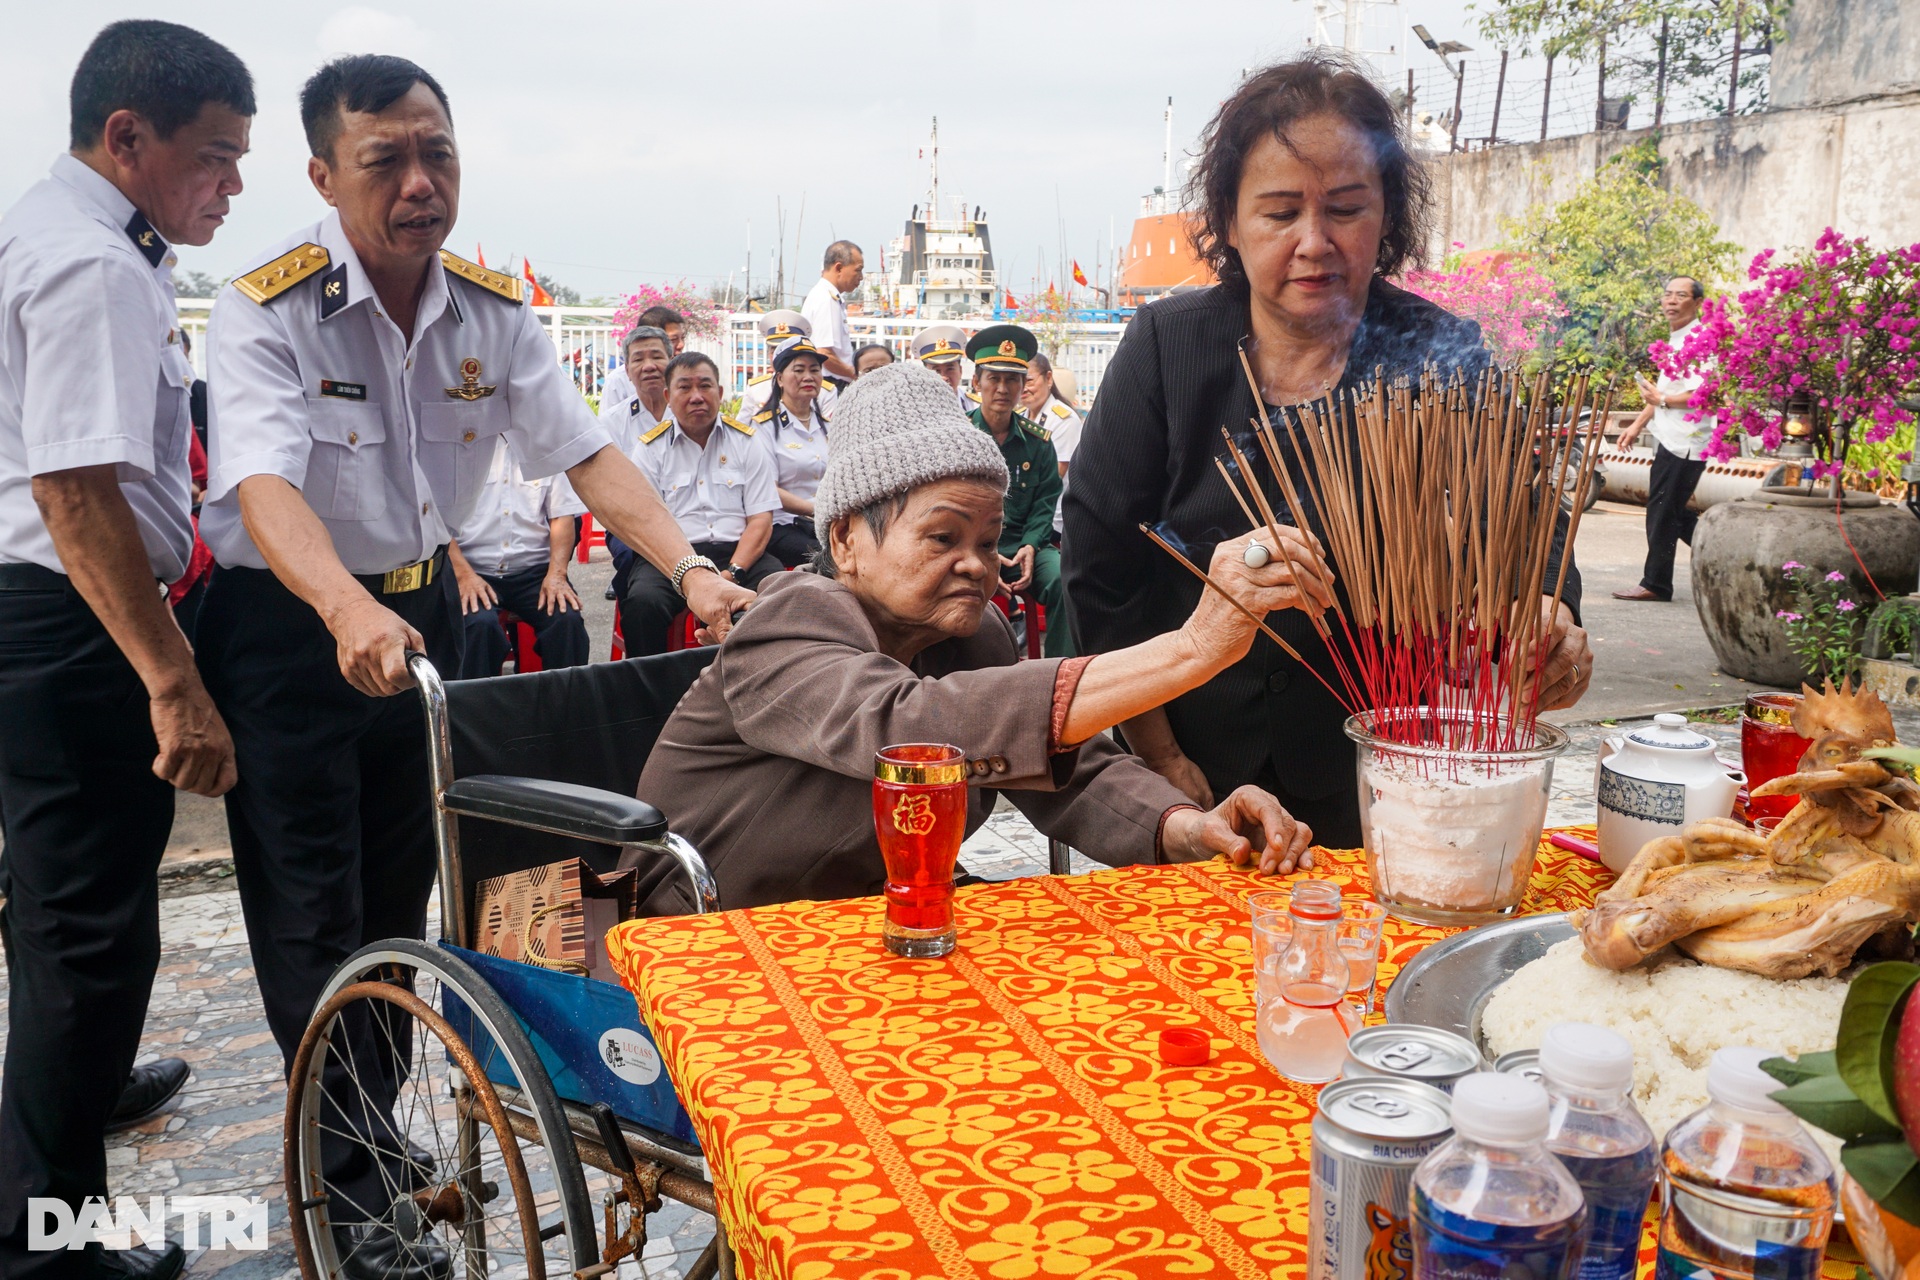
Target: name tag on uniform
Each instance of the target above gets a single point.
(343, 390)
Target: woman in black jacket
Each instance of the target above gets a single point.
(1308, 199)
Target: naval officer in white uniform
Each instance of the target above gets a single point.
(102, 714)
(361, 378)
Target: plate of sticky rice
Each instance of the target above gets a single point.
(1505, 988)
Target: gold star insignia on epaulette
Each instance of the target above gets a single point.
(265, 283)
(765, 415)
(741, 427)
(496, 282)
(1033, 428)
(654, 432)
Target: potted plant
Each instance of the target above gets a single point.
(1867, 1092)
(1832, 335)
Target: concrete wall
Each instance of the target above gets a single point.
(1774, 179)
(1840, 49)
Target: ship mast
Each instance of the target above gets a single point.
(1166, 152)
(933, 190)
(1372, 29)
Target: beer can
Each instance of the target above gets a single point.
(1403, 1051)
(1368, 1136)
(1521, 1062)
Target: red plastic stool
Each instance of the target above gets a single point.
(520, 642)
(590, 538)
(1036, 617)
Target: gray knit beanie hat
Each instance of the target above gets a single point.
(896, 429)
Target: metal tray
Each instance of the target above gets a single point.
(1449, 983)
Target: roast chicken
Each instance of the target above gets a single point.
(1841, 868)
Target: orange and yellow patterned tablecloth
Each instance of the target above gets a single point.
(1001, 1113)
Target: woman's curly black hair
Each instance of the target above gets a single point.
(1267, 104)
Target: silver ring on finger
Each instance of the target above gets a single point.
(1257, 555)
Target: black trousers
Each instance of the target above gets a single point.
(332, 831)
(86, 822)
(559, 637)
(1669, 488)
(793, 543)
(648, 602)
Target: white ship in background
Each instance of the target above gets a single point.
(940, 267)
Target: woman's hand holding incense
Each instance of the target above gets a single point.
(1568, 670)
(1248, 826)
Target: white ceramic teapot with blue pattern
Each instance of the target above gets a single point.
(1654, 782)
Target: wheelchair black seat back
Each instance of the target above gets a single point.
(545, 765)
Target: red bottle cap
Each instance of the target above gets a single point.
(1185, 1047)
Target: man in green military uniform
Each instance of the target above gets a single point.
(1030, 562)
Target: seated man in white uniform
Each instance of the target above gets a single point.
(644, 354)
(512, 553)
(717, 480)
(943, 350)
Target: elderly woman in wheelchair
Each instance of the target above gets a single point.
(766, 764)
(452, 1109)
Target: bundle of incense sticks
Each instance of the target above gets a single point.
(1437, 502)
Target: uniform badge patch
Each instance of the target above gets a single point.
(343, 390)
(470, 388)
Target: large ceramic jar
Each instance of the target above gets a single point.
(1738, 587)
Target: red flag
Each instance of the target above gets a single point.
(1079, 276)
(479, 254)
(541, 298)
(1011, 304)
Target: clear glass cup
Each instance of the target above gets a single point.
(1272, 922)
(1451, 820)
(1362, 925)
(920, 819)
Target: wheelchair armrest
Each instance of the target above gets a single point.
(562, 808)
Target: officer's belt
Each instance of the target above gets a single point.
(407, 578)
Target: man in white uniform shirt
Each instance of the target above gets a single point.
(644, 355)
(512, 554)
(841, 271)
(718, 481)
(360, 379)
(102, 714)
(1679, 459)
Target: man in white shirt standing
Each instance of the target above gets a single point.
(102, 714)
(1678, 450)
(512, 554)
(361, 377)
(841, 272)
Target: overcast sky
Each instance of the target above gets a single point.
(615, 142)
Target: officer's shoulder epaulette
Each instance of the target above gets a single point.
(765, 415)
(268, 281)
(1060, 410)
(973, 395)
(1032, 428)
(494, 282)
(737, 425)
(754, 382)
(657, 430)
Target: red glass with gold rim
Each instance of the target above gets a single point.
(920, 818)
(1769, 749)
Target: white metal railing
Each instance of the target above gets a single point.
(1087, 352)
(588, 344)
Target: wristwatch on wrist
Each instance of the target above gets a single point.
(739, 571)
(686, 565)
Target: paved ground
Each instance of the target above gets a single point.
(225, 1135)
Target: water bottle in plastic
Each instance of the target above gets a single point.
(1492, 1203)
(1602, 1139)
(1745, 1191)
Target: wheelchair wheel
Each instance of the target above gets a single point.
(392, 1118)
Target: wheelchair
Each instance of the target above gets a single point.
(517, 1116)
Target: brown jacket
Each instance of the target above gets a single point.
(767, 763)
